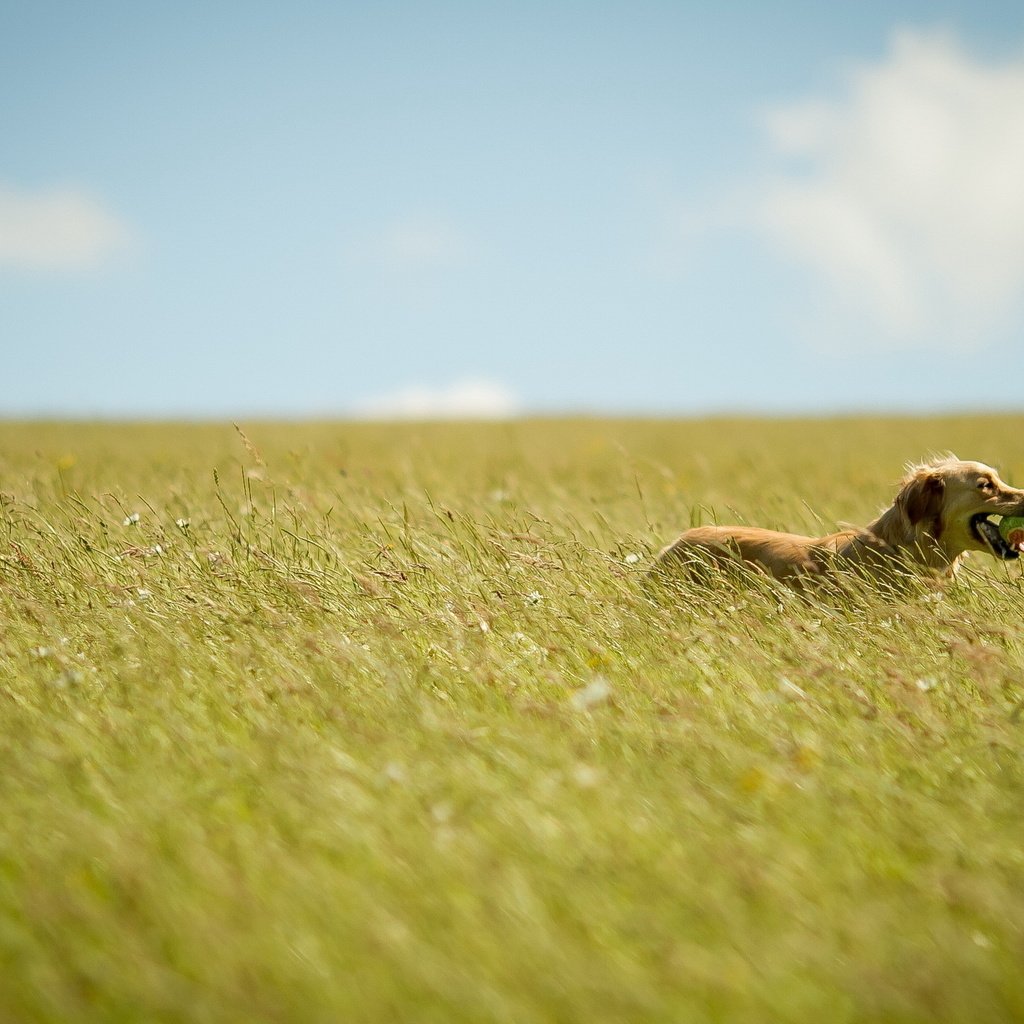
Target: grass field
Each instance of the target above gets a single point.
(378, 723)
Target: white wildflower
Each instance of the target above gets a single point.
(597, 691)
(586, 776)
(526, 645)
(182, 524)
(442, 812)
(534, 597)
(632, 558)
(69, 677)
(131, 520)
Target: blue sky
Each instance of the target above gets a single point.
(388, 209)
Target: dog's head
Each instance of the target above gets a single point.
(958, 504)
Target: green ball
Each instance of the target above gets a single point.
(1010, 523)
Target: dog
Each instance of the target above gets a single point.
(941, 513)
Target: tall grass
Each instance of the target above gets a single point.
(349, 722)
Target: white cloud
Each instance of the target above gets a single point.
(907, 192)
(466, 399)
(59, 229)
(416, 244)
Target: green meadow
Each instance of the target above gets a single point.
(368, 722)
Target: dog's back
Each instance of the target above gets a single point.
(785, 556)
(782, 555)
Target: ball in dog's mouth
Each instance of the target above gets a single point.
(989, 533)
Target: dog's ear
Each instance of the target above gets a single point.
(921, 497)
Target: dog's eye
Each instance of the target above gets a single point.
(986, 485)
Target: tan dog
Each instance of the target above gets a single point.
(940, 513)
